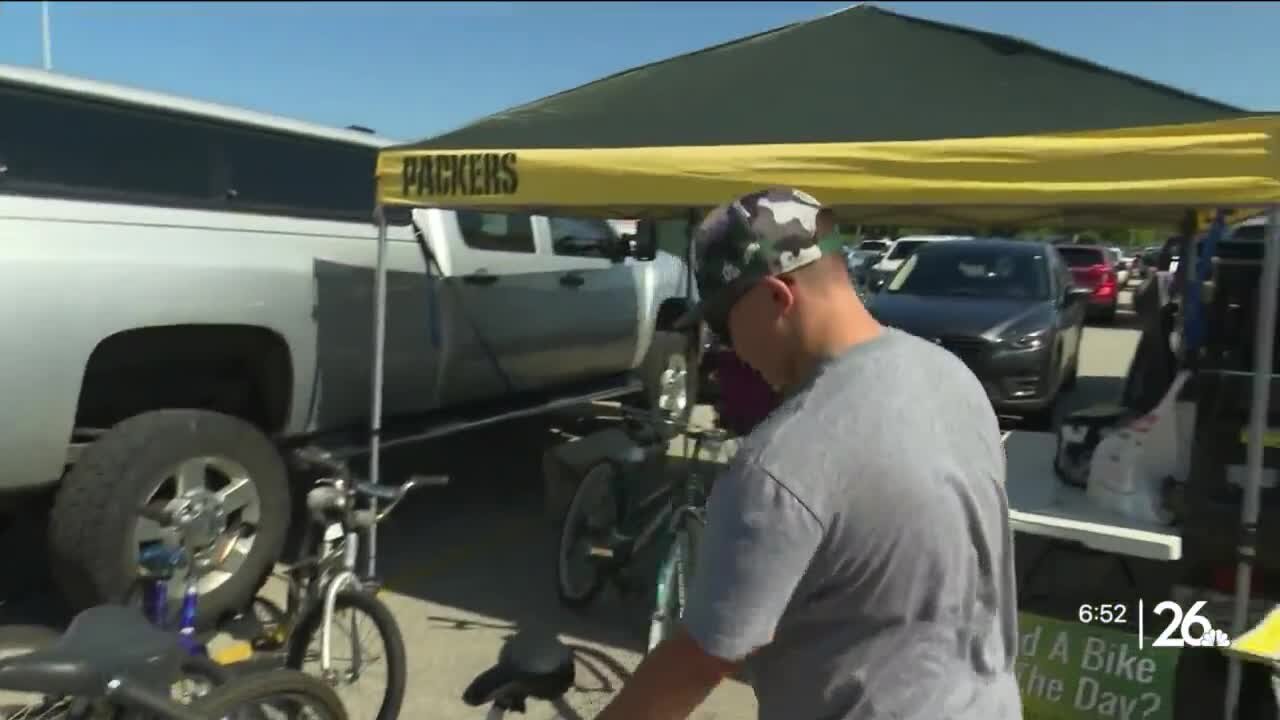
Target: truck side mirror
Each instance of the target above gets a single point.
(644, 243)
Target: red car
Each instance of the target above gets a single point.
(1094, 268)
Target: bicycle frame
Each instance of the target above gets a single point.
(333, 564)
(331, 567)
(664, 508)
(160, 562)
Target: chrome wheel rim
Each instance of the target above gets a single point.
(225, 506)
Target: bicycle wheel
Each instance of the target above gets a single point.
(292, 693)
(592, 518)
(675, 575)
(20, 640)
(356, 616)
(198, 675)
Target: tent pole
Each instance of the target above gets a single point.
(375, 391)
(1258, 411)
(1187, 269)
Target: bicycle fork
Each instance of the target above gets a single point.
(347, 577)
(159, 564)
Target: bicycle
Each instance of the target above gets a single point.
(113, 663)
(607, 527)
(326, 580)
(158, 565)
(529, 666)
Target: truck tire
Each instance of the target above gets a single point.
(671, 376)
(95, 530)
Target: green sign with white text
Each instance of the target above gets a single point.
(1071, 671)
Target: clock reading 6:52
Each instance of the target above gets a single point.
(1106, 613)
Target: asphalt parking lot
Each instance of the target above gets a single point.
(467, 565)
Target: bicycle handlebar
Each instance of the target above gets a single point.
(672, 427)
(329, 497)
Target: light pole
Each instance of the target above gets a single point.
(46, 37)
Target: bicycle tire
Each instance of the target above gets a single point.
(278, 683)
(672, 584)
(22, 639)
(579, 598)
(308, 630)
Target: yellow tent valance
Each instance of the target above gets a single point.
(1128, 177)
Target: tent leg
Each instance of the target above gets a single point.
(1258, 411)
(375, 391)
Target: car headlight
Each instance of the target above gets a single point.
(1026, 341)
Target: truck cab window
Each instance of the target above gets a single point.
(497, 232)
(277, 172)
(580, 237)
(77, 146)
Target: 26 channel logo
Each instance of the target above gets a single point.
(1186, 628)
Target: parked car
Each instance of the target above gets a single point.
(189, 285)
(874, 246)
(1009, 309)
(899, 251)
(1121, 263)
(1148, 261)
(859, 264)
(1093, 267)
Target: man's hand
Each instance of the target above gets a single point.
(670, 683)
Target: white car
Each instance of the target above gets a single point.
(900, 250)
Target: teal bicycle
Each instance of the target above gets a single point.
(611, 519)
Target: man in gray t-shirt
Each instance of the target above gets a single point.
(857, 560)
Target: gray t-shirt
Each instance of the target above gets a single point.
(858, 552)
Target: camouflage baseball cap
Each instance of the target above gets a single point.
(766, 233)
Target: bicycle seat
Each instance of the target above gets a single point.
(529, 666)
(101, 643)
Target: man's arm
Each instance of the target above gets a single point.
(758, 543)
(670, 683)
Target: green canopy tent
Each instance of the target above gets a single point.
(863, 74)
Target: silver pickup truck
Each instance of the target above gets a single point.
(187, 286)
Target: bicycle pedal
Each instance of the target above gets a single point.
(601, 552)
(233, 652)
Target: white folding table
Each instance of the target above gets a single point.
(1042, 505)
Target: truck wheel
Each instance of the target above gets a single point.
(220, 462)
(670, 377)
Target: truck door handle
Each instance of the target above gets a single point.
(572, 280)
(480, 279)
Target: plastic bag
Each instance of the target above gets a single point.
(1128, 471)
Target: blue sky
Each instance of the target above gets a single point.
(412, 70)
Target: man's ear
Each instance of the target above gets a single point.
(781, 292)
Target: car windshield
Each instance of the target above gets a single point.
(873, 245)
(904, 248)
(1078, 257)
(984, 272)
(1249, 233)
